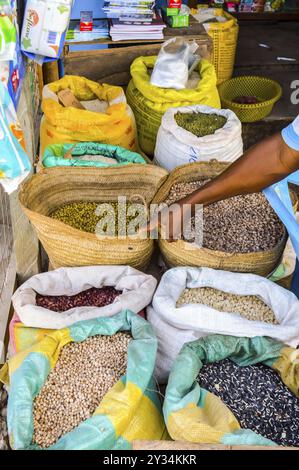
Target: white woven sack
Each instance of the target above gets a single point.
(175, 146)
(138, 289)
(176, 326)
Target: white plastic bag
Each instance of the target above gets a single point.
(14, 162)
(175, 146)
(137, 287)
(176, 326)
(171, 69)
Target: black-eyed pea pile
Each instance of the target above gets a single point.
(82, 376)
(241, 224)
(250, 307)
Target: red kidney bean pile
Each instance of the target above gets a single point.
(94, 297)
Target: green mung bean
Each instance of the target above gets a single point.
(200, 124)
(83, 216)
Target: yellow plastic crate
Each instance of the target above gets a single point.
(225, 38)
(267, 91)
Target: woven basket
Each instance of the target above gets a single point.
(266, 90)
(181, 253)
(66, 246)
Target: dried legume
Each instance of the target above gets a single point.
(4, 443)
(241, 224)
(257, 397)
(94, 297)
(248, 306)
(200, 124)
(75, 387)
(82, 215)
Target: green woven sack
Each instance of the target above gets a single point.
(193, 414)
(55, 155)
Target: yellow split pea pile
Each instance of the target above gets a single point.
(83, 374)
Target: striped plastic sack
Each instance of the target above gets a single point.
(195, 415)
(130, 410)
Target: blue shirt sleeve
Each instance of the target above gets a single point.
(290, 134)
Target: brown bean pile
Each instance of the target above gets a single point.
(82, 376)
(94, 297)
(241, 224)
(248, 306)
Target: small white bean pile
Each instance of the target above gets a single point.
(248, 306)
(83, 374)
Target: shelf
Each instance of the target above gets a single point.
(268, 16)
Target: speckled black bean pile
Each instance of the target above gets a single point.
(241, 224)
(94, 297)
(257, 397)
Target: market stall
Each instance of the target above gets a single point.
(148, 251)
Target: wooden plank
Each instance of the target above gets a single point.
(50, 72)
(113, 65)
(268, 16)
(177, 445)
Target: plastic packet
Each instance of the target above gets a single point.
(172, 66)
(44, 28)
(14, 162)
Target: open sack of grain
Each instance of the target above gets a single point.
(86, 154)
(63, 207)
(190, 303)
(150, 102)
(234, 391)
(105, 115)
(60, 298)
(241, 234)
(86, 387)
(198, 133)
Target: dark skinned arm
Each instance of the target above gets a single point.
(261, 166)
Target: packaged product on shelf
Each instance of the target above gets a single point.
(44, 27)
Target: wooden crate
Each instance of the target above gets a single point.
(176, 445)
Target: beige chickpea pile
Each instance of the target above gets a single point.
(248, 306)
(83, 374)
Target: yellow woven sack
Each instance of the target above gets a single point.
(61, 125)
(149, 103)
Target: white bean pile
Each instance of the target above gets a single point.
(248, 306)
(83, 374)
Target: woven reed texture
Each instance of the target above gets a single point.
(266, 90)
(181, 253)
(66, 246)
